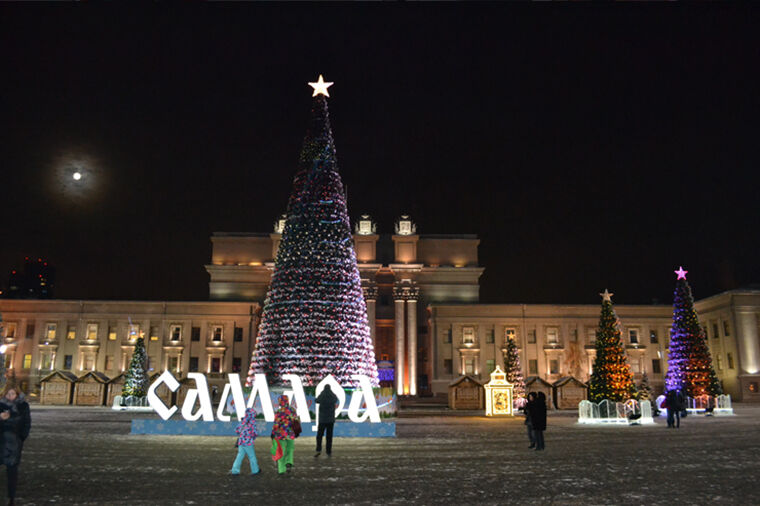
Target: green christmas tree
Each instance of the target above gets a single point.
(513, 369)
(136, 384)
(644, 390)
(690, 367)
(611, 378)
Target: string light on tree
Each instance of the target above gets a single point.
(314, 321)
(611, 377)
(690, 367)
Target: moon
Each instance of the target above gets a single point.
(77, 176)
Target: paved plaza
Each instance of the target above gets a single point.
(87, 456)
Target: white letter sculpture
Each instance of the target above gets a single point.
(200, 392)
(155, 401)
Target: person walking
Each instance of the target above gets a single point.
(283, 434)
(326, 402)
(246, 431)
(537, 413)
(15, 422)
(528, 424)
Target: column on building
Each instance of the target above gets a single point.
(399, 302)
(748, 342)
(370, 297)
(411, 313)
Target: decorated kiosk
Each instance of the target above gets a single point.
(499, 394)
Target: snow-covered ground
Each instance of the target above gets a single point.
(86, 456)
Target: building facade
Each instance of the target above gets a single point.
(428, 327)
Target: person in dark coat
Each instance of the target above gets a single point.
(537, 413)
(15, 423)
(674, 403)
(528, 423)
(326, 402)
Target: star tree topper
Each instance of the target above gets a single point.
(681, 273)
(606, 295)
(320, 87)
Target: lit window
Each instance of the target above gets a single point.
(552, 335)
(10, 330)
(27, 361)
(50, 331)
(468, 335)
(92, 331)
(112, 333)
(154, 333)
(71, 333)
(133, 332)
(509, 334)
(46, 361)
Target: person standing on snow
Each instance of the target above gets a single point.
(246, 432)
(325, 419)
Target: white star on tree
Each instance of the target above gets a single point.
(320, 87)
(606, 295)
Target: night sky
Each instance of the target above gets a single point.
(589, 146)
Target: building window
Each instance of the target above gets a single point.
(27, 361)
(752, 386)
(469, 366)
(447, 366)
(509, 334)
(533, 366)
(574, 335)
(216, 364)
(193, 366)
(730, 360)
(726, 328)
(490, 336)
(29, 331)
(46, 361)
(195, 334)
(532, 336)
(68, 360)
(554, 366)
(216, 333)
(719, 362)
(385, 357)
(133, 332)
(236, 364)
(154, 333)
(468, 335)
(71, 332)
(653, 336)
(715, 330)
(490, 365)
(447, 336)
(238, 334)
(633, 336)
(92, 331)
(112, 333)
(10, 330)
(173, 363)
(109, 362)
(552, 335)
(175, 332)
(8, 359)
(88, 363)
(656, 366)
(591, 336)
(50, 331)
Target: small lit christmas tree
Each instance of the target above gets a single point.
(136, 383)
(514, 371)
(690, 367)
(314, 321)
(644, 390)
(611, 377)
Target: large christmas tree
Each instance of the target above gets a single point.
(514, 370)
(611, 377)
(314, 321)
(690, 367)
(136, 382)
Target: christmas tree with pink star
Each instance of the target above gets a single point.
(690, 367)
(314, 321)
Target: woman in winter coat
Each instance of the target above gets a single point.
(537, 412)
(246, 432)
(15, 423)
(528, 423)
(283, 435)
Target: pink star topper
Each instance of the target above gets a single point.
(681, 273)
